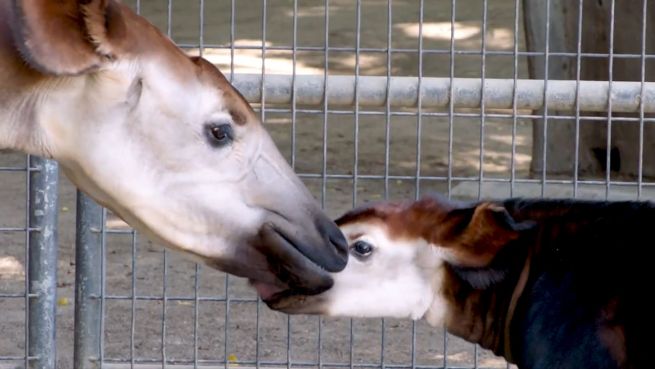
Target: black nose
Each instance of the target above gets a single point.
(336, 242)
(339, 242)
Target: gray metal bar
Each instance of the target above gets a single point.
(358, 17)
(483, 78)
(419, 103)
(435, 92)
(133, 299)
(12, 169)
(451, 92)
(164, 304)
(483, 119)
(294, 65)
(186, 365)
(644, 24)
(451, 116)
(44, 184)
(517, 16)
(88, 283)
(27, 297)
(387, 105)
(325, 99)
(578, 71)
(325, 77)
(610, 107)
(426, 51)
(499, 114)
(164, 310)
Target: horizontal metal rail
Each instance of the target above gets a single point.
(435, 92)
(214, 364)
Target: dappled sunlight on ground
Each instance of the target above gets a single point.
(11, 268)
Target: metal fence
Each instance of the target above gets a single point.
(368, 99)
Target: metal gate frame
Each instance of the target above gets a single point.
(41, 243)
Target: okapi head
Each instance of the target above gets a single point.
(407, 258)
(160, 138)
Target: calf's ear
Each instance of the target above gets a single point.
(474, 235)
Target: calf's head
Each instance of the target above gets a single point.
(168, 144)
(403, 256)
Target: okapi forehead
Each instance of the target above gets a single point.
(239, 108)
(403, 220)
(375, 211)
(470, 234)
(145, 39)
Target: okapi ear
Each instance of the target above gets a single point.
(67, 37)
(475, 235)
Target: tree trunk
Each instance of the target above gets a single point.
(596, 36)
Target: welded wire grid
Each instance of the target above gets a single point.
(152, 307)
(346, 155)
(15, 240)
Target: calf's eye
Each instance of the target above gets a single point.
(362, 248)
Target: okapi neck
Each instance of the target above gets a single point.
(20, 130)
(478, 316)
(483, 313)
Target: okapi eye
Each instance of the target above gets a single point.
(220, 134)
(362, 248)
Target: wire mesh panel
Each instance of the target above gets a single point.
(155, 308)
(368, 100)
(151, 307)
(13, 273)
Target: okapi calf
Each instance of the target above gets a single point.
(543, 283)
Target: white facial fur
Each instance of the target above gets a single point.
(146, 155)
(399, 279)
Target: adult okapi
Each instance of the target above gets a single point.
(161, 139)
(548, 284)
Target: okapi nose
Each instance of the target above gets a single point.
(331, 233)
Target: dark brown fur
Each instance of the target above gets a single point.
(474, 235)
(583, 266)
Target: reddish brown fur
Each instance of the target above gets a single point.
(472, 239)
(544, 283)
(474, 314)
(240, 110)
(611, 333)
(64, 37)
(52, 36)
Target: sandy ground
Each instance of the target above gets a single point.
(405, 133)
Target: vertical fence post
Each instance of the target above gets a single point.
(88, 283)
(43, 262)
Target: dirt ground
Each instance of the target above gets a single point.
(404, 160)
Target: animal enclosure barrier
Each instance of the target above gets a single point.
(368, 99)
